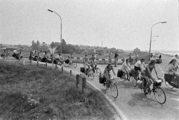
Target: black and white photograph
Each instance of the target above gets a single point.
(89, 59)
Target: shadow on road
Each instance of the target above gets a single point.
(171, 91)
(139, 99)
(126, 84)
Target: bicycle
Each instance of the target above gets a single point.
(96, 69)
(158, 92)
(112, 85)
(87, 72)
(67, 63)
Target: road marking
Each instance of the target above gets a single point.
(176, 108)
(160, 69)
(177, 99)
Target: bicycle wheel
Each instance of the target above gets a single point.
(134, 82)
(74, 65)
(91, 75)
(168, 85)
(159, 95)
(114, 90)
(98, 70)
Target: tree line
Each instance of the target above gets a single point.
(69, 48)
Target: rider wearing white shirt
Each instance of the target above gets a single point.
(138, 65)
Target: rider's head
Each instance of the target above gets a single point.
(142, 60)
(173, 61)
(109, 66)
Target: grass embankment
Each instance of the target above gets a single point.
(29, 92)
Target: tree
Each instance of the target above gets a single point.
(33, 45)
(38, 45)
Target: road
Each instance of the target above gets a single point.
(135, 105)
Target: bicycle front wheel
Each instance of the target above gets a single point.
(74, 65)
(114, 90)
(134, 82)
(98, 70)
(159, 95)
(91, 75)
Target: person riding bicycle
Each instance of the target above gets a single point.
(45, 57)
(86, 63)
(107, 74)
(92, 63)
(172, 72)
(138, 66)
(126, 68)
(149, 78)
(70, 59)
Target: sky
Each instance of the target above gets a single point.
(123, 24)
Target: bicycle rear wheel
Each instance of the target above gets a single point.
(159, 95)
(134, 82)
(98, 70)
(114, 90)
(91, 75)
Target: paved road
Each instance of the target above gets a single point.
(136, 106)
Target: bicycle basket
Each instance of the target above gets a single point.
(157, 84)
(102, 79)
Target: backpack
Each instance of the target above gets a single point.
(102, 79)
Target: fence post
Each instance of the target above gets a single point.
(62, 69)
(46, 64)
(83, 84)
(70, 73)
(30, 61)
(77, 80)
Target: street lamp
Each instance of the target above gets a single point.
(153, 36)
(61, 26)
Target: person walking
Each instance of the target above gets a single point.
(109, 59)
(115, 59)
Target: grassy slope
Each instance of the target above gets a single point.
(53, 92)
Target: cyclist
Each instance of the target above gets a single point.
(171, 71)
(92, 62)
(61, 58)
(126, 68)
(138, 66)
(86, 63)
(45, 57)
(107, 74)
(148, 75)
(71, 59)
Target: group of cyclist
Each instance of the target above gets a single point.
(57, 59)
(89, 63)
(145, 69)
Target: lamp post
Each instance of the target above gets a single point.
(153, 36)
(61, 26)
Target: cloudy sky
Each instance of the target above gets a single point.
(123, 24)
